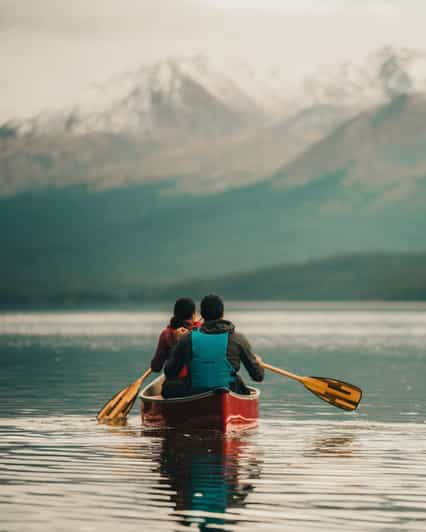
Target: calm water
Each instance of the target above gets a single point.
(307, 465)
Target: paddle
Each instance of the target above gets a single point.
(337, 393)
(120, 405)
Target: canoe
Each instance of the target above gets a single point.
(220, 410)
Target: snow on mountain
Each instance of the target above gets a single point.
(387, 73)
(272, 86)
(400, 71)
(149, 99)
(157, 97)
(207, 126)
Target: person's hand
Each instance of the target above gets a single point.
(178, 333)
(259, 360)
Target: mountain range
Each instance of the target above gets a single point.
(190, 120)
(178, 172)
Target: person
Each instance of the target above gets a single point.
(213, 353)
(184, 319)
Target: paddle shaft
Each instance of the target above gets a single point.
(144, 376)
(283, 372)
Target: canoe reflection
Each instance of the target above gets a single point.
(208, 475)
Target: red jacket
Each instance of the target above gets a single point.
(165, 345)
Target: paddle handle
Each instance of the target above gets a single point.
(280, 371)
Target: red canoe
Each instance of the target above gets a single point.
(216, 410)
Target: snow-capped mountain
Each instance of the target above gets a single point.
(206, 127)
(387, 73)
(336, 177)
(173, 96)
(179, 94)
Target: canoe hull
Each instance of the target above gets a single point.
(220, 410)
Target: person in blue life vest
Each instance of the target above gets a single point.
(213, 353)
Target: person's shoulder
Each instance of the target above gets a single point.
(239, 338)
(166, 335)
(167, 331)
(185, 338)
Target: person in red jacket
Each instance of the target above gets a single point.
(184, 319)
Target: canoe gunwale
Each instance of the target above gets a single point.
(254, 395)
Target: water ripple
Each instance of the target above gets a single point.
(307, 465)
(330, 475)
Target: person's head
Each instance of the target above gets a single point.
(183, 311)
(211, 307)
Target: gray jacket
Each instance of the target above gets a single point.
(239, 350)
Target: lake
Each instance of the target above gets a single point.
(308, 465)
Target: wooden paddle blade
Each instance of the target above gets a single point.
(117, 408)
(111, 404)
(125, 403)
(338, 393)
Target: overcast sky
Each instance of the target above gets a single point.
(320, 6)
(52, 49)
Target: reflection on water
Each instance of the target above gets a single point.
(207, 475)
(319, 326)
(71, 473)
(307, 465)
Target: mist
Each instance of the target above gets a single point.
(54, 50)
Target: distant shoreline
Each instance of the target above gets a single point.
(363, 278)
(232, 306)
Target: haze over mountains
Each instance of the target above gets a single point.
(186, 118)
(182, 168)
(53, 49)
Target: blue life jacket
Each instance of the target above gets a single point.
(210, 367)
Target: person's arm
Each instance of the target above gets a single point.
(178, 357)
(249, 359)
(164, 347)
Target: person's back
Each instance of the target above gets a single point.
(183, 320)
(209, 365)
(213, 353)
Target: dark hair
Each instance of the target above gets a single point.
(211, 307)
(183, 310)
